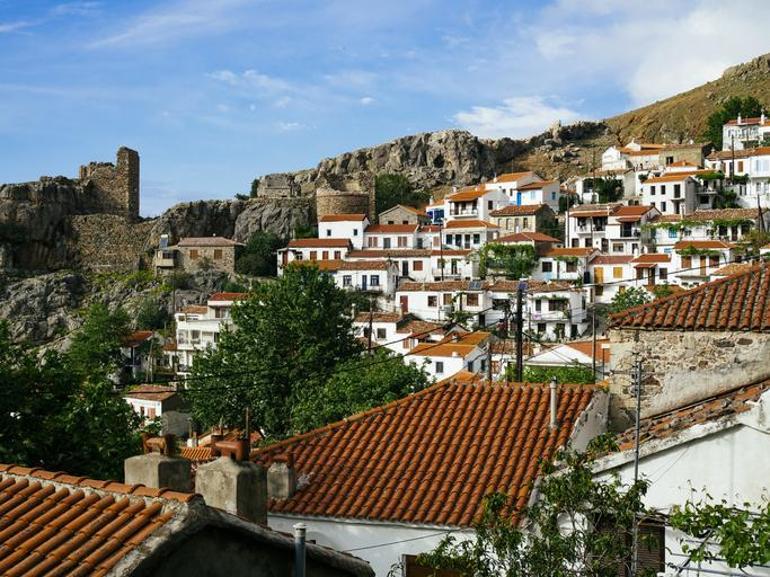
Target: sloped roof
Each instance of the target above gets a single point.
(514, 176)
(445, 286)
(319, 243)
(570, 251)
(136, 338)
(466, 194)
(527, 237)
(585, 347)
(519, 210)
(208, 241)
(228, 296)
(390, 228)
(469, 224)
(537, 185)
(378, 317)
(702, 244)
(613, 259)
(431, 457)
(150, 392)
(652, 257)
(735, 303)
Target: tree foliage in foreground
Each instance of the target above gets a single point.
(54, 417)
(578, 526)
(631, 297)
(95, 347)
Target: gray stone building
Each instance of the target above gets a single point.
(402, 214)
(692, 345)
(193, 254)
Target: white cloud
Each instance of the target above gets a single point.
(516, 117)
(252, 81)
(80, 8)
(178, 19)
(366, 101)
(6, 27)
(290, 126)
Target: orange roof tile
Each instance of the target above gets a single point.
(319, 243)
(632, 210)
(569, 251)
(136, 338)
(197, 454)
(456, 224)
(343, 217)
(702, 244)
(228, 296)
(378, 317)
(537, 185)
(208, 241)
(151, 392)
(652, 257)
(586, 347)
(527, 237)
(194, 309)
(431, 457)
(733, 268)
(519, 210)
(733, 303)
(613, 259)
(514, 176)
(390, 228)
(675, 176)
(440, 286)
(470, 193)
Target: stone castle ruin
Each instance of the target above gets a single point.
(115, 186)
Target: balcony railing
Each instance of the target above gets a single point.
(466, 212)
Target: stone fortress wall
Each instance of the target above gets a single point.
(116, 185)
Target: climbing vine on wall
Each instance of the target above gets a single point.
(513, 261)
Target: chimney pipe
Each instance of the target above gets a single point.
(300, 529)
(554, 404)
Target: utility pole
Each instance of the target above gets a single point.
(636, 374)
(760, 221)
(520, 330)
(489, 361)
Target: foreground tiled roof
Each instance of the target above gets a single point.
(724, 405)
(53, 523)
(736, 303)
(469, 193)
(431, 457)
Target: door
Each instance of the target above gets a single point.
(404, 302)
(599, 274)
(518, 198)
(404, 268)
(363, 282)
(703, 265)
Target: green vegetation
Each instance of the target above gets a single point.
(631, 297)
(292, 337)
(60, 413)
(662, 290)
(574, 374)
(514, 261)
(152, 315)
(393, 189)
(747, 106)
(95, 348)
(606, 189)
(504, 546)
(258, 258)
(305, 231)
(177, 280)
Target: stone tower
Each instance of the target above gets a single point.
(116, 185)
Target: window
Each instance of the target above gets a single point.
(547, 266)
(686, 262)
(439, 367)
(538, 305)
(372, 241)
(417, 265)
(355, 232)
(347, 280)
(557, 305)
(194, 254)
(433, 301)
(217, 254)
(386, 242)
(374, 280)
(663, 273)
(740, 166)
(325, 255)
(525, 223)
(662, 207)
(447, 299)
(662, 189)
(570, 266)
(313, 255)
(328, 232)
(401, 241)
(669, 160)
(540, 328)
(652, 189)
(714, 260)
(672, 233)
(617, 247)
(677, 191)
(381, 334)
(617, 272)
(404, 222)
(490, 205)
(337, 255)
(553, 196)
(472, 300)
(476, 239)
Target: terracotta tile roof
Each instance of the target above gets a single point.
(674, 176)
(343, 217)
(228, 297)
(745, 121)
(390, 253)
(390, 228)
(208, 241)
(739, 154)
(319, 243)
(431, 457)
(335, 265)
(416, 326)
(197, 454)
(442, 350)
(537, 185)
(732, 268)
(151, 392)
(738, 302)
(412, 209)
(136, 338)
(632, 210)
(587, 210)
(702, 244)
(470, 193)
(533, 286)
(442, 286)
(586, 347)
(725, 214)
(452, 224)
(527, 237)
(683, 163)
(722, 406)
(612, 259)
(518, 210)
(567, 251)
(54, 523)
(652, 257)
(514, 176)
(378, 317)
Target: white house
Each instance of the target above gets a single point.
(741, 133)
(545, 192)
(569, 264)
(469, 233)
(576, 354)
(350, 226)
(696, 260)
(752, 164)
(387, 236)
(198, 327)
(398, 478)
(611, 274)
(425, 265)
(376, 276)
(509, 184)
(674, 193)
(454, 353)
(437, 301)
(313, 249)
(556, 311)
(396, 332)
(161, 402)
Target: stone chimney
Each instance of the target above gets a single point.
(158, 467)
(234, 484)
(281, 478)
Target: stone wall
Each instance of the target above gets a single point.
(107, 242)
(682, 367)
(114, 186)
(214, 258)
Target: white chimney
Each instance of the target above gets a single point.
(739, 118)
(281, 479)
(554, 404)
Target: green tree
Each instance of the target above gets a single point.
(393, 189)
(607, 189)
(631, 297)
(573, 374)
(358, 385)
(95, 349)
(289, 337)
(258, 258)
(513, 260)
(735, 105)
(152, 314)
(51, 417)
(577, 527)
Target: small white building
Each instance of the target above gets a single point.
(545, 192)
(454, 353)
(611, 274)
(313, 249)
(674, 193)
(469, 234)
(349, 226)
(509, 184)
(565, 264)
(741, 133)
(161, 402)
(390, 236)
(375, 276)
(581, 354)
(437, 301)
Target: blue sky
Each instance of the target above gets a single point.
(215, 92)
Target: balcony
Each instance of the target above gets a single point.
(448, 274)
(468, 212)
